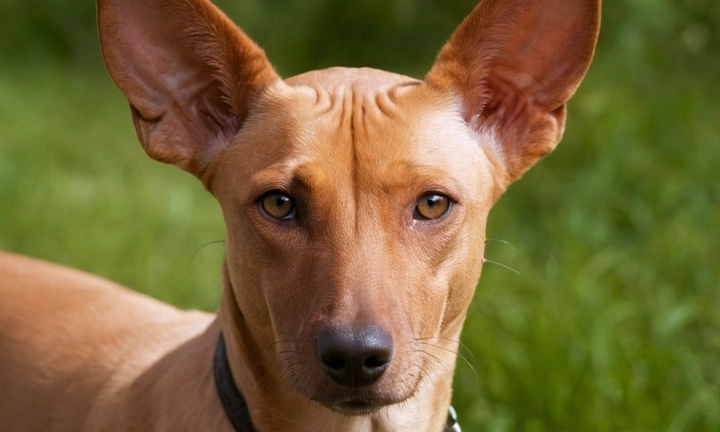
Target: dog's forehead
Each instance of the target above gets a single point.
(384, 119)
(348, 125)
(374, 114)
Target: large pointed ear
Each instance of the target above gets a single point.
(514, 64)
(188, 72)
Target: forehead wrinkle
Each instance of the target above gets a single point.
(414, 177)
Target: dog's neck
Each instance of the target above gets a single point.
(275, 405)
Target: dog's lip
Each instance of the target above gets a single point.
(358, 401)
(356, 405)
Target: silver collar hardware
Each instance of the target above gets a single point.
(452, 424)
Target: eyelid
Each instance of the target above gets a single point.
(262, 191)
(448, 189)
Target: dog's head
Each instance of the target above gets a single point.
(355, 199)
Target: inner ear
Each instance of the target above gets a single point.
(190, 129)
(187, 71)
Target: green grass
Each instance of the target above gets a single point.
(612, 325)
(77, 188)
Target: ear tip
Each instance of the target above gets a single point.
(515, 63)
(494, 28)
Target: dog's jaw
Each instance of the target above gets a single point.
(276, 404)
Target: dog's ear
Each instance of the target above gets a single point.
(188, 72)
(514, 64)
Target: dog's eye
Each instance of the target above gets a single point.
(432, 206)
(278, 205)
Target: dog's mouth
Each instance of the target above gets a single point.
(360, 401)
(357, 404)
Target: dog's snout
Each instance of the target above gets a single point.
(354, 356)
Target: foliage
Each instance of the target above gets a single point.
(612, 324)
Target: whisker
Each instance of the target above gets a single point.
(458, 354)
(201, 248)
(485, 260)
(431, 366)
(442, 363)
(460, 344)
(282, 382)
(501, 241)
(269, 356)
(275, 366)
(426, 373)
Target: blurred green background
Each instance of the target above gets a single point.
(613, 323)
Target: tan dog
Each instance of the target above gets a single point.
(355, 202)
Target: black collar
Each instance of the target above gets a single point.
(231, 398)
(234, 403)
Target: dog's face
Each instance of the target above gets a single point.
(356, 198)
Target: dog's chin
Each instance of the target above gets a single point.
(359, 404)
(363, 400)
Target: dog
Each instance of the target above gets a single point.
(355, 202)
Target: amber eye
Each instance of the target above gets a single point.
(432, 206)
(278, 205)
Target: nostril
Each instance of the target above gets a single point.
(333, 362)
(376, 361)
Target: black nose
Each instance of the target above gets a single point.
(354, 356)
